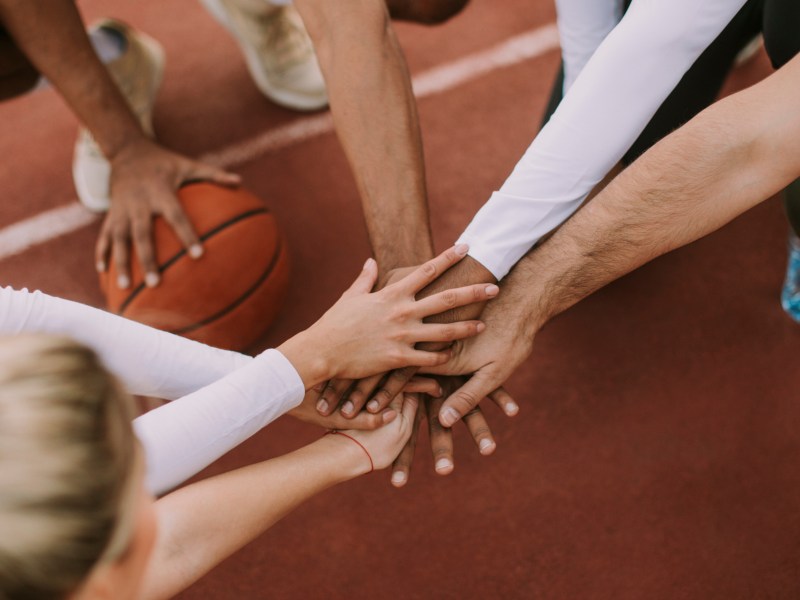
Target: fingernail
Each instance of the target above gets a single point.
(196, 251)
(439, 392)
(398, 477)
(322, 406)
(347, 408)
(389, 416)
(512, 408)
(100, 266)
(480, 327)
(486, 444)
(492, 290)
(372, 406)
(123, 282)
(369, 263)
(462, 249)
(444, 464)
(151, 279)
(448, 416)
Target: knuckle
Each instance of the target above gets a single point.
(383, 396)
(466, 400)
(429, 268)
(449, 298)
(482, 432)
(441, 451)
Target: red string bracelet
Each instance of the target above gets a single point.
(350, 437)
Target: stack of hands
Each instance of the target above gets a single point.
(361, 363)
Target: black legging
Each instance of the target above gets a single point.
(778, 20)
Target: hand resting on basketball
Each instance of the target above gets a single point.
(367, 333)
(144, 179)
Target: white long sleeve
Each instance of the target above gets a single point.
(582, 27)
(187, 435)
(612, 100)
(149, 362)
(227, 397)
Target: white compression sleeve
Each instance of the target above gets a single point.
(626, 80)
(148, 361)
(582, 27)
(184, 436)
(187, 435)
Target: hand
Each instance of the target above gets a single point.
(364, 420)
(384, 444)
(352, 397)
(491, 358)
(366, 333)
(441, 438)
(144, 179)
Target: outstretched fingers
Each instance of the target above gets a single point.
(504, 400)
(466, 398)
(449, 332)
(393, 385)
(401, 467)
(365, 280)
(479, 430)
(441, 439)
(430, 270)
(455, 298)
(332, 395)
(355, 401)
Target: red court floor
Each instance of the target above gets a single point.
(656, 452)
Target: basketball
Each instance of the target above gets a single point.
(232, 293)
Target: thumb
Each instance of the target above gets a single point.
(467, 397)
(365, 280)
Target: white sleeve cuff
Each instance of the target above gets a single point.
(507, 226)
(185, 436)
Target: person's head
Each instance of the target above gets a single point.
(75, 521)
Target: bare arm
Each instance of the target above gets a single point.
(204, 523)
(51, 34)
(144, 175)
(732, 156)
(376, 119)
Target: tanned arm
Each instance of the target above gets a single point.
(732, 156)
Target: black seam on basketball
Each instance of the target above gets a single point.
(236, 303)
(172, 260)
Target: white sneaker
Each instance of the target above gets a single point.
(137, 73)
(276, 47)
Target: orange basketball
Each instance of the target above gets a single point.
(230, 295)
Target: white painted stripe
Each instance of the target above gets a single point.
(43, 227)
(66, 219)
(439, 79)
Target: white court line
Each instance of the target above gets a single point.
(56, 222)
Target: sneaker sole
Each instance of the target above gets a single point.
(293, 100)
(101, 204)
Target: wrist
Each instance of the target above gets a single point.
(349, 460)
(122, 144)
(308, 358)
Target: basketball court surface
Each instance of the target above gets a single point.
(656, 451)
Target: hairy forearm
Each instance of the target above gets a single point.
(735, 154)
(204, 523)
(376, 119)
(52, 36)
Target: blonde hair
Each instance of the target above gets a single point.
(66, 463)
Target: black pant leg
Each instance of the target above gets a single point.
(701, 84)
(782, 42)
